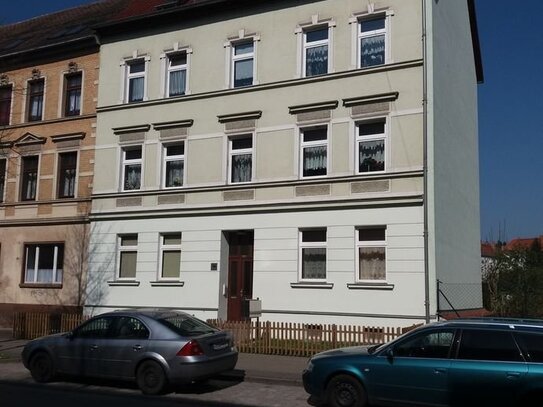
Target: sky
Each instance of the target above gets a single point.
(510, 111)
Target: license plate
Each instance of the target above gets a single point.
(220, 346)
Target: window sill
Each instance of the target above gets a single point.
(122, 283)
(370, 286)
(40, 285)
(167, 283)
(312, 285)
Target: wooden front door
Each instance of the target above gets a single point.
(240, 273)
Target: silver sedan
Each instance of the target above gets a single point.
(157, 348)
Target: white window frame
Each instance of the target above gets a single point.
(170, 69)
(308, 245)
(375, 137)
(369, 243)
(230, 58)
(122, 249)
(314, 44)
(168, 247)
(304, 144)
(301, 31)
(126, 75)
(166, 159)
(357, 35)
(36, 262)
(243, 151)
(125, 163)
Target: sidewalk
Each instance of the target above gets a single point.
(286, 370)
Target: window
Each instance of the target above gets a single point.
(72, 97)
(128, 253)
(434, 345)
(532, 345)
(132, 159)
(29, 177)
(35, 100)
(241, 159)
(5, 104)
(488, 345)
(176, 82)
(371, 146)
(130, 328)
(67, 169)
(371, 252)
(170, 255)
(95, 329)
(314, 152)
(135, 80)
(315, 49)
(43, 263)
(174, 165)
(242, 69)
(313, 254)
(3, 162)
(372, 41)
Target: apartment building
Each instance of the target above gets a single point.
(319, 156)
(48, 95)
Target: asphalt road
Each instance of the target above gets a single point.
(215, 393)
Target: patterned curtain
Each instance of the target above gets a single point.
(174, 173)
(132, 177)
(314, 263)
(373, 51)
(242, 166)
(372, 263)
(372, 156)
(316, 61)
(315, 160)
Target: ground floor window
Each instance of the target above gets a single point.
(313, 254)
(128, 256)
(170, 249)
(371, 253)
(43, 263)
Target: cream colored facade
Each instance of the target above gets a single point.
(279, 203)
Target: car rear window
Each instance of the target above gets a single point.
(532, 346)
(488, 345)
(186, 325)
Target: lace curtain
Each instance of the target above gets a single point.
(372, 156)
(132, 177)
(314, 263)
(373, 51)
(242, 167)
(315, 160)
(316, 60)
(174, 173)
(372, 263)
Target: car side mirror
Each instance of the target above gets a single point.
(70, 336)
(390, 354)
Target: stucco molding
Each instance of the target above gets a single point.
(311, 107)
(173, 125)
(370, 99)
(131, 129)
(68, 137)
(226, 118)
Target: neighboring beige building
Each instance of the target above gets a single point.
(318, 155)
(48, 93)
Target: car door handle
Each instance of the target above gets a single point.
(440, 370)
(93, 347)
(512, 375)
(137, 348)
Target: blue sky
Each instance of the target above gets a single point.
(510, 111)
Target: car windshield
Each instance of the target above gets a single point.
(186, 325)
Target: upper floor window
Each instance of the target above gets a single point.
(241, 159)
(371, 146)
(5, 104)
(170, 255)
(135, 80)
(131, 167)
(371, 253)
(67, 169)
(127, 255)
(29, 178)
(72, 96)
(242, 69)
(314, 152)
(316, 48)
(312, 254)
(174, 165)
(176, 79)
(43, 263)
(3, 162)
(372, 33)
(35, 99)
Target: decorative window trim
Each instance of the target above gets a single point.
(6, 84)
(302, 145)
(300, 41)
(355, 20)
(166, 159)
(131, 129)
(26, 100)
(120, 249)
(72, 70)
(173, 125)
(124, 80)
(67, 137)
(311, 282)
(175, 49)
(312, 107)
(365, 283)
(231, 153)
(364, 100)
(226, 118)
(124, 163)
(229, 47)
(162, 247)
(377, 136)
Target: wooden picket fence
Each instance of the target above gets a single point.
(271, 338)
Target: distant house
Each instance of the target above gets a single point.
(524, 243)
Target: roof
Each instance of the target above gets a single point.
(57, 29)
(524, 243)
(488, 249)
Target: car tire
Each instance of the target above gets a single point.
(345, 391)
(151, 378)
(42, 367)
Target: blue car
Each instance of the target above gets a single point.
(484, 362)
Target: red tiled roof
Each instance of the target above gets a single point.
(524, 243)
(488, 249)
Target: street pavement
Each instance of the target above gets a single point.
(258, 381)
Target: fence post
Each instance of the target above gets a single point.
(334, 336)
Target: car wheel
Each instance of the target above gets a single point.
(345, 391)
(151, 378)
(42, 368)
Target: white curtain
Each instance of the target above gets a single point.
(242, 165)
(314, 263)
(136, 89)
(316, 61)
(177, 83)
(373, 51)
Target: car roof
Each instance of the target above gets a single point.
(493, 323)
(154, 313)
